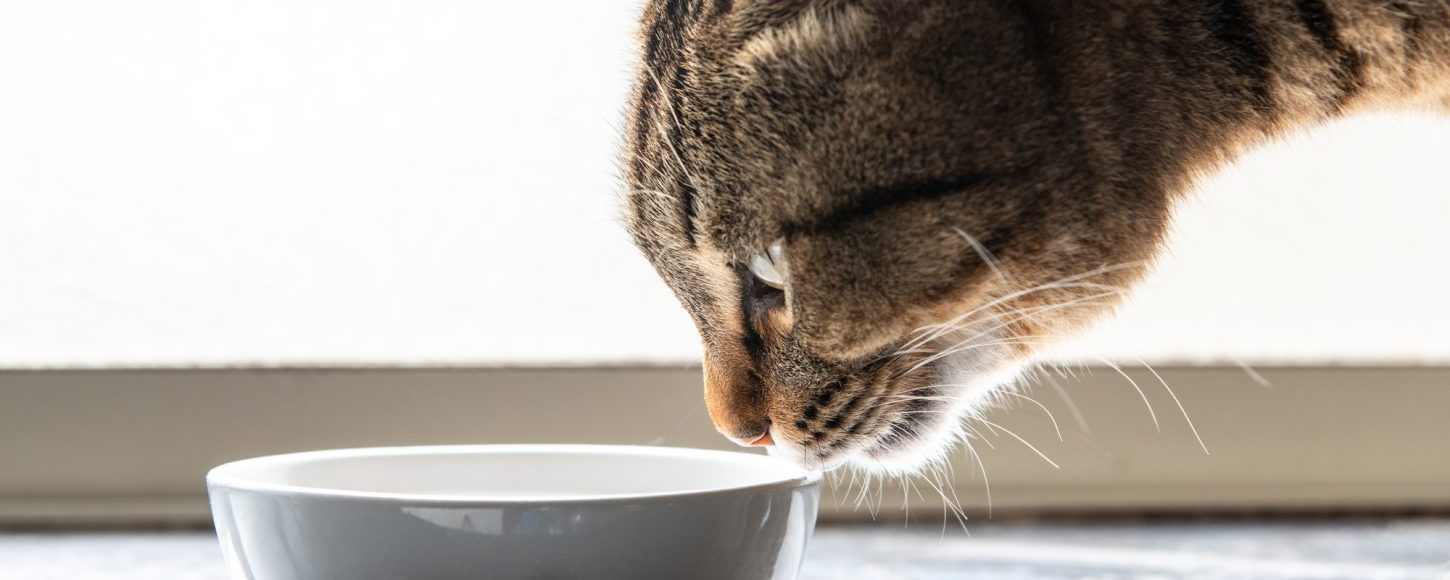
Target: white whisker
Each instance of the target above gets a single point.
(1151, 412)
(1067, 400)
(1044, 408)
(1027, 314)
(981, 437)
(664, 134)
(1180, 405)
(1253, 373)
(985, 254)
(986, 483)
(1024, 442)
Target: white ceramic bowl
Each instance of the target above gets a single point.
(518, 512)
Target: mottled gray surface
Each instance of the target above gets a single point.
(1349, 551)
(1360, 550)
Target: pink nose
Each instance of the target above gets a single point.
(763, 440)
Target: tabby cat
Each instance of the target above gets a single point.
(877, 211)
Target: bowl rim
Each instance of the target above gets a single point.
(225, 476)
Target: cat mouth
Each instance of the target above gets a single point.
(915, 437)
(811, 452)
(893, 438)
(909, 426)
(898, 446)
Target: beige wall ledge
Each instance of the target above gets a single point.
(111, 446)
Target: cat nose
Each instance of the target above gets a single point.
(735, 398)
(761, 440)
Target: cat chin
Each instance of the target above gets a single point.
(799, 457)
(935, 441)
(971, 379)
(931, 448)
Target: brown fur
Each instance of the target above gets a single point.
(874, 136)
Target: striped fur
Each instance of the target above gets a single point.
(935, 161)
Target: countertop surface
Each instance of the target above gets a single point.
(1417, 549)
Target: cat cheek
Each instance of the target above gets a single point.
(778, 323)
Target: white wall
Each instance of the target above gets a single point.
(369, 182)
(1330, 246)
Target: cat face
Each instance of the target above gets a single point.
(937, 213)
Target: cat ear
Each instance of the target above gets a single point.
(861, 286)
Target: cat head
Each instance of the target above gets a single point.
(875, 212)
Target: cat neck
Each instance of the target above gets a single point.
(1342, 58)
(1276, 66)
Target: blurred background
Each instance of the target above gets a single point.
(237, 228)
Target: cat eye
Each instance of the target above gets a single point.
(769, 266)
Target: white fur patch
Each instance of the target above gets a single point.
(971, 378)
